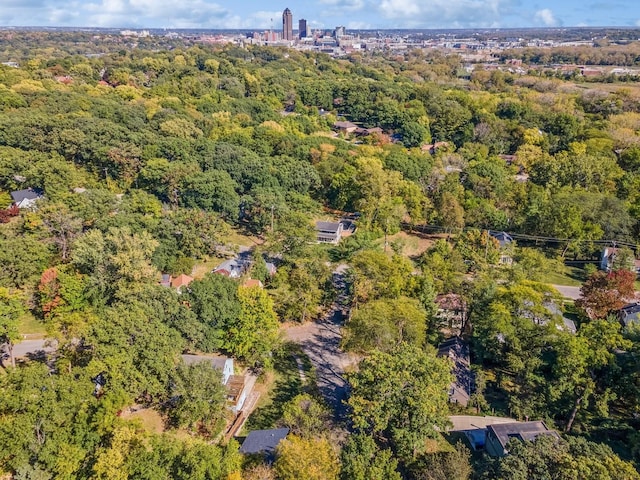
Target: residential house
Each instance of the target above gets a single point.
(238, 387)
(463, 385)
(26, 198)
(235, 267)
(345, 127)
(263, 442)
(328, 232)
(165, 280)
(609, 256)
(223, 364)
(629, 314)
(506, 243)
(451, 314)
(180, 282)
(434, 147)
(499, 435)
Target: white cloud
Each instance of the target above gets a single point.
(638, 23)
(446, 13)
(546, 17)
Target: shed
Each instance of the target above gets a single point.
(263, 441)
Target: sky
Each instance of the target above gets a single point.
(325, 14)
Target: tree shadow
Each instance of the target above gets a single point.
(287, 385)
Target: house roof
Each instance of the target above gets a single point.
(451, 301)
(344, 125)
(181, 281)
(27, 194)
(503, 237)
(520, 430)
(629, 314)
(330, 227)
(263, 441)
(252, 282)
(217, 361)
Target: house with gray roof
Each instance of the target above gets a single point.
(26, 198)
(328, 232)
(499, 435)
(263, 441)
(629, 314)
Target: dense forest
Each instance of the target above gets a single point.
(157, 157)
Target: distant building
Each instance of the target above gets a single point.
(287, 25)
(506, 243)
(345, 127)
(302, 28)
(499, 435)
(340, 32)
(26, 198)
(181, 281)
(611, 258)
(328, 232)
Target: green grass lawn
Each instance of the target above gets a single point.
(29, 325)
(572, 277)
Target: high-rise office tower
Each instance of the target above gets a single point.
(287, 25)
(302, 28)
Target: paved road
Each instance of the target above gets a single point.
(320, 341)
(27, 349)
(568, 292)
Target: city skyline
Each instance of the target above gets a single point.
(324, 14)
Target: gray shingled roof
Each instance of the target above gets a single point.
(522, 430)
(263, 441)
(329, 227)
(216, 362)
(27, 194)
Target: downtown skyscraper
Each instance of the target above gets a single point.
(287, 25)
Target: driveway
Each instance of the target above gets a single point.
(572, 293)
(320, 341)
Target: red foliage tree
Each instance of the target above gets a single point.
(7, 213)
(604, 293)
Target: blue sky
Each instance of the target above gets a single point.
(261, 14)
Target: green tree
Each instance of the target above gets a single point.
(311, 459)
(254, 334)
(214, 300)
(306, 416)
(12, 306)
(198, 398)
(400, 397)
(384, 324)
(363, 460)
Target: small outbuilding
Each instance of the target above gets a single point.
(263, 441)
